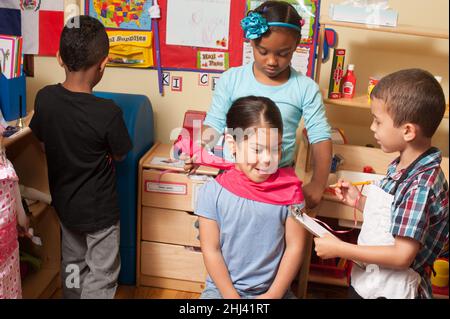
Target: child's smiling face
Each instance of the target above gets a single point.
(259, 154)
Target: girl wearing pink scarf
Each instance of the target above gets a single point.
(251, 247)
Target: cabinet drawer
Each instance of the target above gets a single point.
(169, 226)
(168, 190)
(172, 261)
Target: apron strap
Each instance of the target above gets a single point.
(410, 167)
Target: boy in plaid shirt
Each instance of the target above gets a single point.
(406, 214)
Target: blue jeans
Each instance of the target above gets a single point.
(214, 293)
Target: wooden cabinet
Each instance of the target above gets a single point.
(169, 226)
(168, 248)
(25, 153)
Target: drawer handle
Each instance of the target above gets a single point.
(192, 248)
(197, 226)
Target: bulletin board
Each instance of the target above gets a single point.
(235, 49)
(185, 58)
(239, 50)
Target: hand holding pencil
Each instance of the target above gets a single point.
(347, 192)
(353, 183)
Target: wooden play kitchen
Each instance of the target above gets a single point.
(168, 249)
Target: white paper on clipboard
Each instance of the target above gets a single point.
(310, 224)
(314, 227)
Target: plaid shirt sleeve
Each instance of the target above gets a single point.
(410, 216)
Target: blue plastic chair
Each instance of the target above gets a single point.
(138, 116)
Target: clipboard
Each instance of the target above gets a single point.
(310, 224)
(314, 227)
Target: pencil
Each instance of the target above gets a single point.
(354, 184)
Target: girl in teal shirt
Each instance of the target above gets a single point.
(274, 32)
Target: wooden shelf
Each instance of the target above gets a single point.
(322, 279)
(35, 284)
(25, 131)
(359, 101)
(400, 29)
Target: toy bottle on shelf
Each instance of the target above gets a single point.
(349, 83)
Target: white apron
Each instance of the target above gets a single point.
(375, 281)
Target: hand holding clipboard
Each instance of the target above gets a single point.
(312, 226)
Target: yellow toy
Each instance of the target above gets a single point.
(440, 279)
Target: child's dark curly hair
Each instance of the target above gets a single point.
(83, 44)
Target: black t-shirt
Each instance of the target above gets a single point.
(80, 132)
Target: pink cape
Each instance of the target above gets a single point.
(281, 188)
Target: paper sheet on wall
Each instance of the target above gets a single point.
(7, 56)
(210, 60)
(198, 23)
(247, 53)
(300, 60)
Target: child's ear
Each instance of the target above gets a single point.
(103, 64)
(231, 143)
(58, 57)
(410, 132)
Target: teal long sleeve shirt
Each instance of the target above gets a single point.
(298, 97)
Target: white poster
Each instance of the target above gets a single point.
(247, 53)
(300, 60)
(198, 23)
(7, 56)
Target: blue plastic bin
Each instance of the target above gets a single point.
(10, 92)
(138, 117)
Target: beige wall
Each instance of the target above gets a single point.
(373, 53)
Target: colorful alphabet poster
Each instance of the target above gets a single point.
(121, 14)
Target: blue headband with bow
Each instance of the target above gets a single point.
(255, 25)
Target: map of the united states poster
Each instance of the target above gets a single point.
(122, 14)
